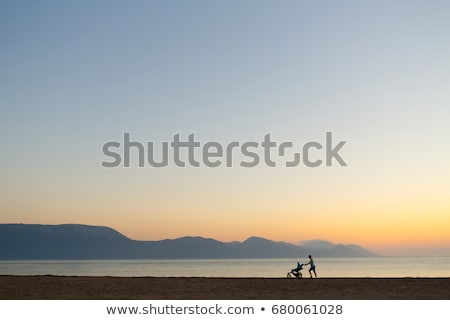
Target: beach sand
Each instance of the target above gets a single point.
(59, 287)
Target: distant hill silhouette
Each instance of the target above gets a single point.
(75, 241)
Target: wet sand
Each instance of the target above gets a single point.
(58, 287)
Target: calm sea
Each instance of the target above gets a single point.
(335, 267)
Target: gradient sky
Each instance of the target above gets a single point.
(74, 75)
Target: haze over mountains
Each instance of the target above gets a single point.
(75, 241)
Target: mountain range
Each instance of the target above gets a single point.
(76, 241)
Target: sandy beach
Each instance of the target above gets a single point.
(61, 287)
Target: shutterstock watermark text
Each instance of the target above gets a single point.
(189, 152)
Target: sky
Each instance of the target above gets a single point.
(376, 74)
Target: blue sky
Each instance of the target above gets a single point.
(77, 74)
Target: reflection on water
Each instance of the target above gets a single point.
(333, 267)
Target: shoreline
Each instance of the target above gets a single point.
(204, 288)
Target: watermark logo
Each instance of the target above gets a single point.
(192, 153)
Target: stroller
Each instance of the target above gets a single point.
(296, 272)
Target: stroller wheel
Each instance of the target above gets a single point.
(289, 275)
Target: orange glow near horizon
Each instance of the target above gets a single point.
(387, 226)
(233, 205)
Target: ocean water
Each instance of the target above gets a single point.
(273, 268)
